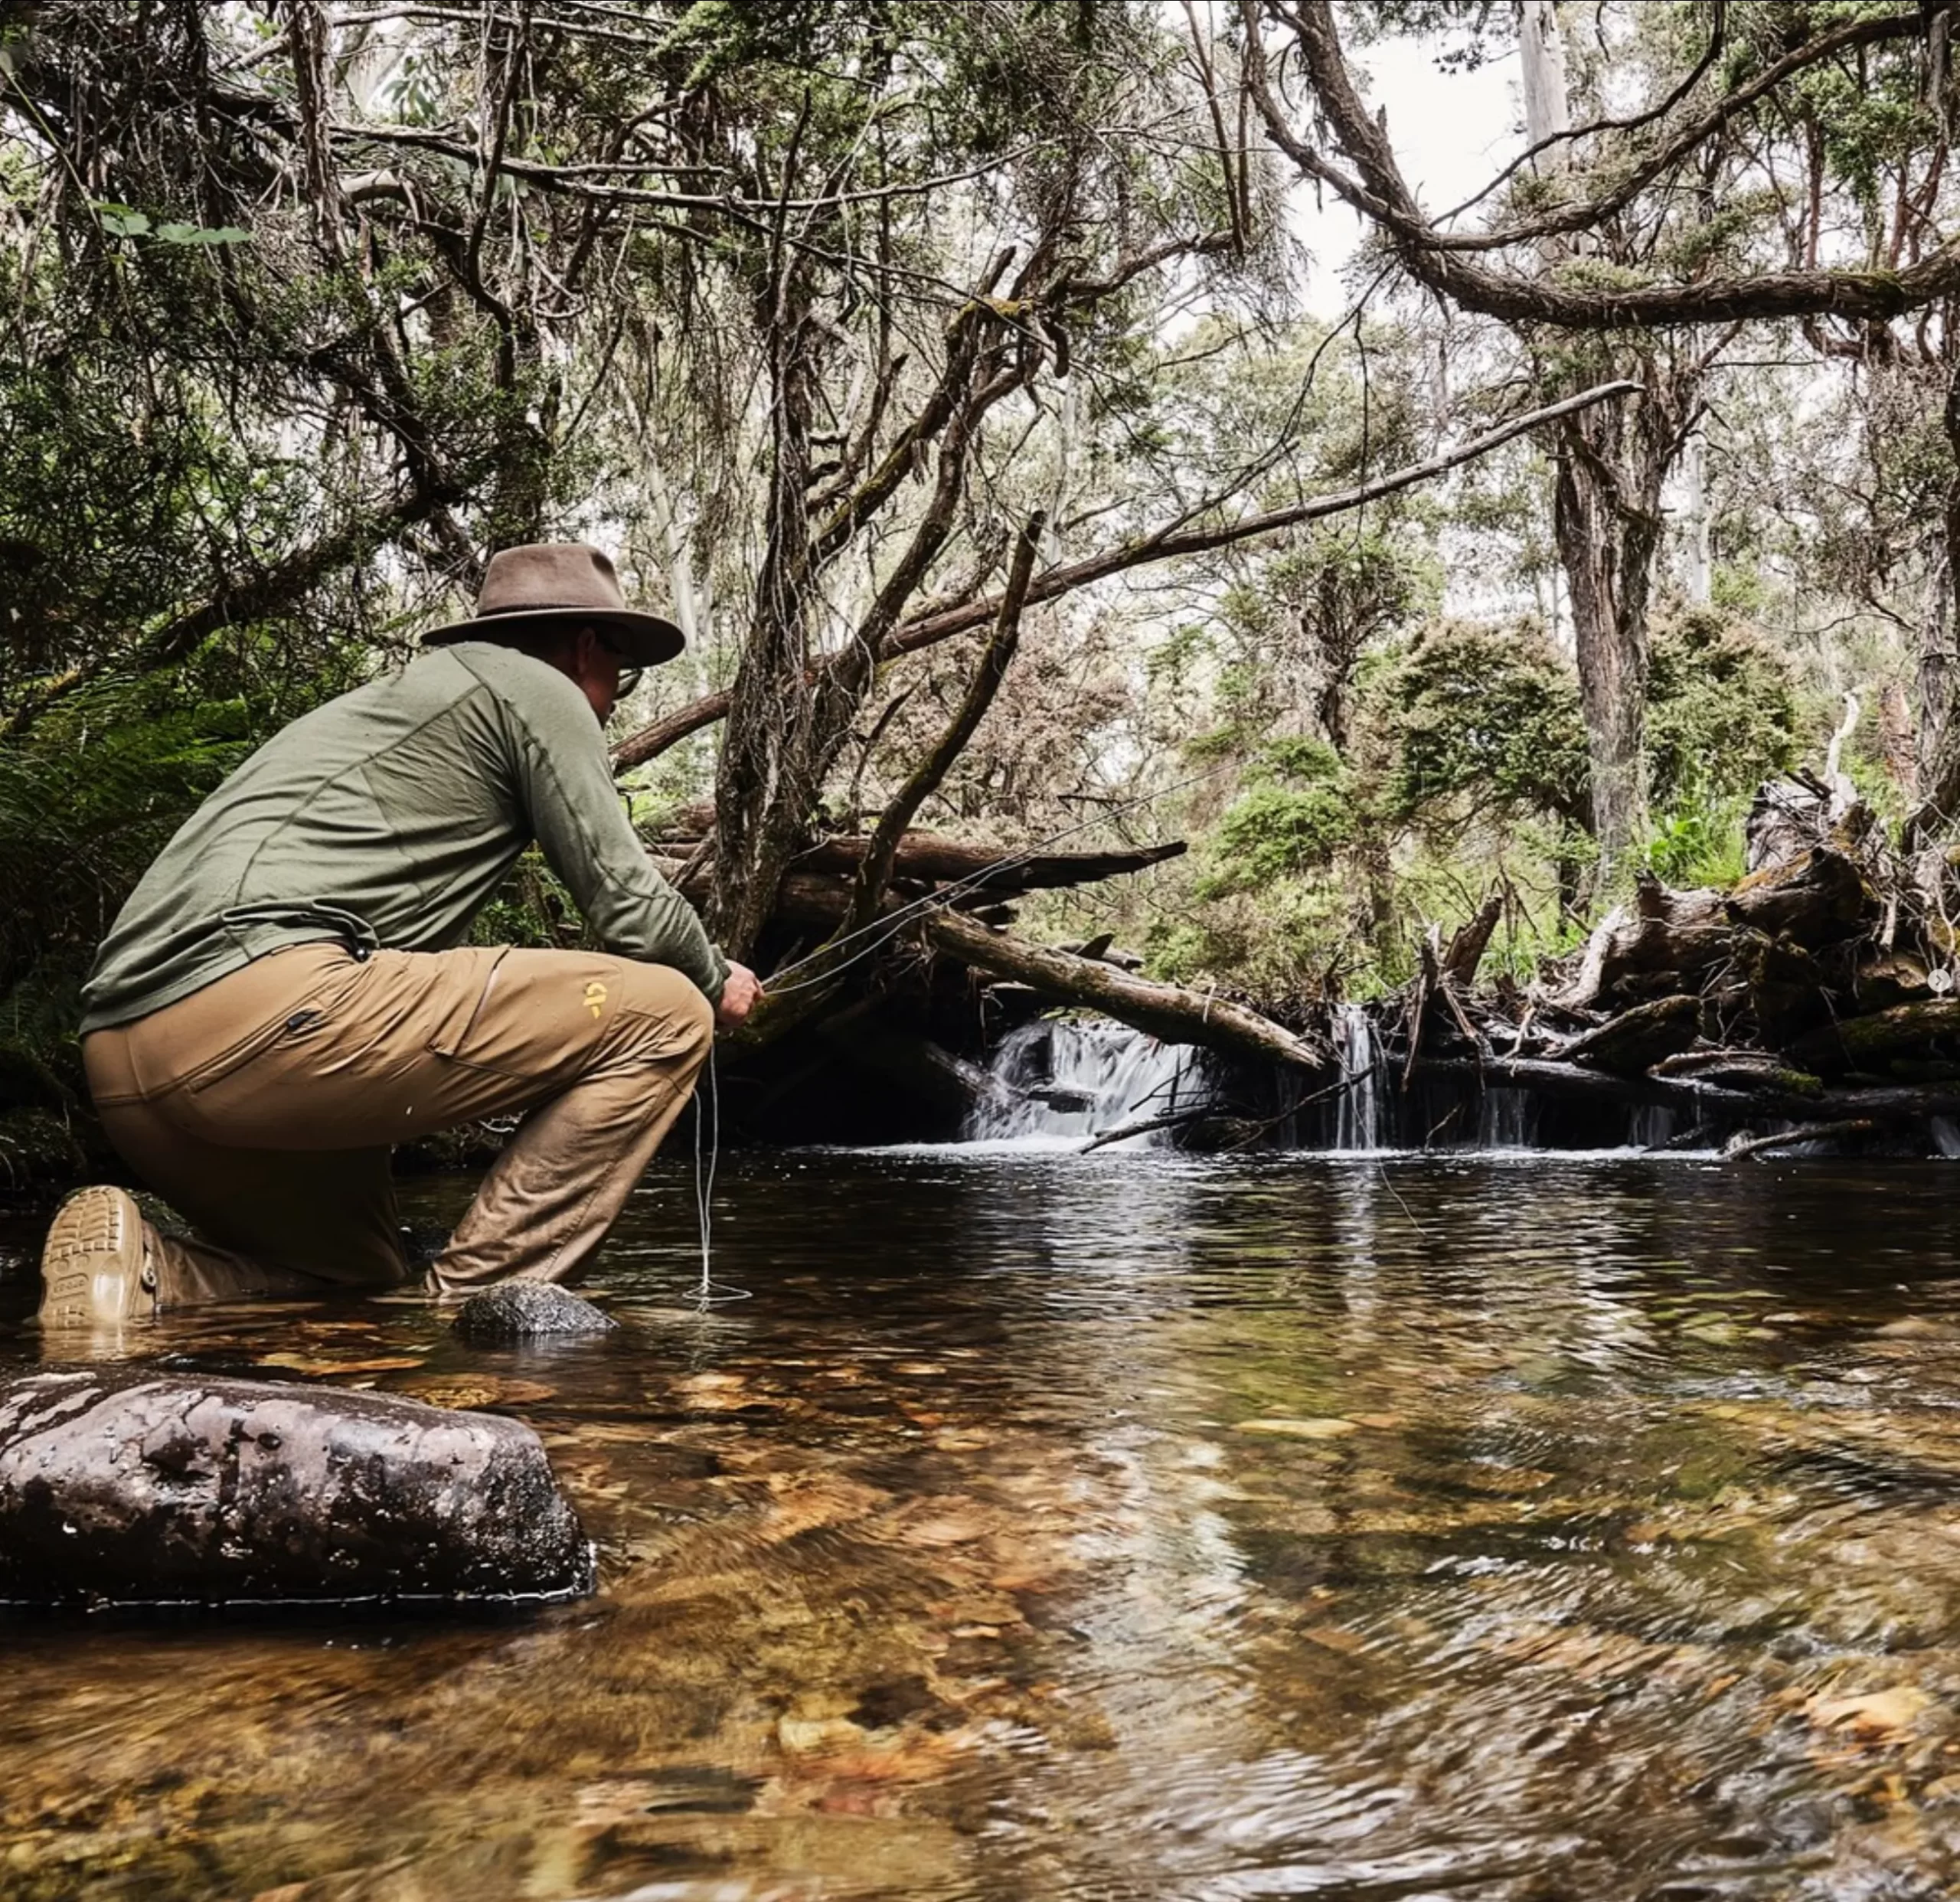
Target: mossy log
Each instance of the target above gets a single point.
(1668, 942)
(1635, 1040)
(1922, 1032)
(1166, 1011)
(1752, 1071)
(1656, 946)
(1892, 978)
(1817, 898)
(1781, 1093)
(1785, 989)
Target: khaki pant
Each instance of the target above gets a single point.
(263, 1107)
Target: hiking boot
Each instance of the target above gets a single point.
(95, 1267)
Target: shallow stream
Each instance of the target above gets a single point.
(1135, 1526)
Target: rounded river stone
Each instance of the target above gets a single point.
(524, 1310)
(123, 1486)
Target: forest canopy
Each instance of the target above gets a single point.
(1384, 541)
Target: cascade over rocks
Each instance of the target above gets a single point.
(124, 1485)
(1812, 991)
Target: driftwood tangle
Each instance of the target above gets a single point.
(1810, 993)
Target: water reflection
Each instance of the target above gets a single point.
(1132, 1527)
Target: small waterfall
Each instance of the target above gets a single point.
(1063, 1078)
(1372, 1113)
(1363, 1117)
(1653, 1126)
(1507, 1120)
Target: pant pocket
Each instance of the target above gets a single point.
(534, 1015)
(216, 1037)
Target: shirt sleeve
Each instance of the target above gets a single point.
(565, 781)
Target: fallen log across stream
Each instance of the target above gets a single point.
(1807, 1003)
(1171, 1011)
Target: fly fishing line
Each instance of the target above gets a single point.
(709, 1293)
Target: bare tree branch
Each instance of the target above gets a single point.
(927, 628)
(1430, 255)
(874, 872)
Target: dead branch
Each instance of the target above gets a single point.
(1805, 1132)
(1169, 1011)
(930, 627)
(874, 869)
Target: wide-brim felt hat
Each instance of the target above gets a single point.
(546, 581)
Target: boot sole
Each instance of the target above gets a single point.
(92, 1263)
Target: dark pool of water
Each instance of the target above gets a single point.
(1131, 1527)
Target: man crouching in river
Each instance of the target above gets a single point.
(286, 994)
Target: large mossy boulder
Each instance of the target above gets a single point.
(124, 1485)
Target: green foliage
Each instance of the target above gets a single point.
(119, 221)
(1296, 813)
(88, 799)
(1487, 713)
(1699, 840)
(1721, 710)
(1492, 716)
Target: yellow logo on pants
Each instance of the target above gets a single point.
(595, 998)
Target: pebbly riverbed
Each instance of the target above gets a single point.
(1133, 1526)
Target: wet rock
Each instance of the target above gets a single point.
(524, 1310)
(120, 1485)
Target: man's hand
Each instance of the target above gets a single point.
(739, 995)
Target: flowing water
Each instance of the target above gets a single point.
(1063, 1079)
(1131, 1526)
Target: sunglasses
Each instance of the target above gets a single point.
(629, 676)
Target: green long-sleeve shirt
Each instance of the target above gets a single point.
(387, 817)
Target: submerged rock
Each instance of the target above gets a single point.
(523, 1310)
(122, 1485)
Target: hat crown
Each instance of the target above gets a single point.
(549, 574)
(571, 584)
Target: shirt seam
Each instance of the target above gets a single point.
(360, 766)
(541, 753)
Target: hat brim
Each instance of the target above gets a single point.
(644, 640)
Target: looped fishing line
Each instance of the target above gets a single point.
(707, 1110)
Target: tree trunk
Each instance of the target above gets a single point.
(1939, 675)
(1605, 515)
(1696, 568)
(1607, 520)
(765, 792)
